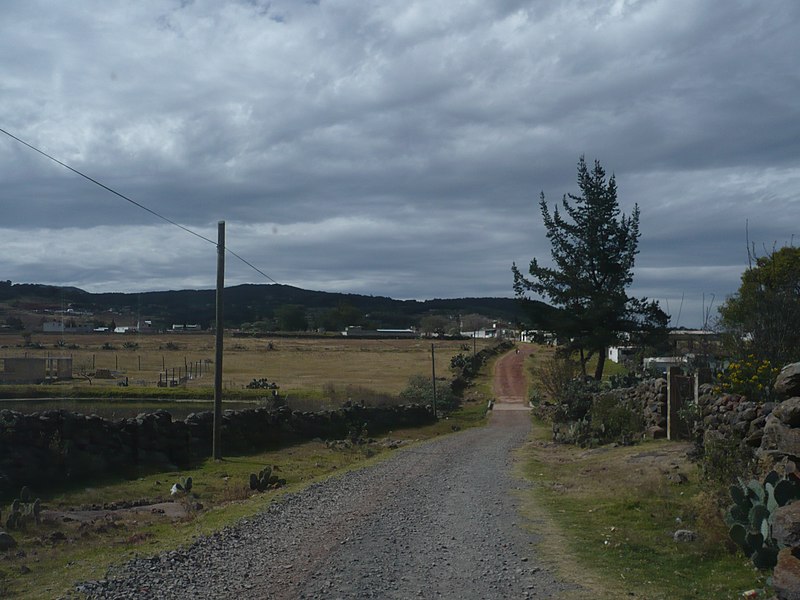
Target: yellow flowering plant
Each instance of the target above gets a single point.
(749, 377)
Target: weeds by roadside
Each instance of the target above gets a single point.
(616, 511)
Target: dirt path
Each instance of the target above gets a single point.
(510, 382)
(435, 520)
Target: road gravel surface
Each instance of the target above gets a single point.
(435, 520)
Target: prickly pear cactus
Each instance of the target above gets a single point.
(23, 511)
(751, 514)
(183, 486)
(265, 480)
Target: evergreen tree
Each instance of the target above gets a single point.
(763, 318)
(593, 247)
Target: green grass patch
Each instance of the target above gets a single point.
(615, 512)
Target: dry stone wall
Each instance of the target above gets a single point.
(731, 416)
(649, 397)
(772, 430)
(57, 445)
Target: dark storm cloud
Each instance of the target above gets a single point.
(393, 148)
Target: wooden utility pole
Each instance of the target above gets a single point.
(433, 379)
(217, 434)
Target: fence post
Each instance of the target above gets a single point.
(702, 376)
(673, 402)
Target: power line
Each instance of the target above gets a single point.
(135, 203)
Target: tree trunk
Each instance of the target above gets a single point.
(583, 364)
(601, 363)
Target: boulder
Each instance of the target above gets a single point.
(788, 412)
(779, 439)
(788, 382)
(6, 542)
(684, 535)
(786, 525)
(677, 478)
(786, 576)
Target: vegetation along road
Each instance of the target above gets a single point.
(436, 520)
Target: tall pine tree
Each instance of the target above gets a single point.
(593, 247)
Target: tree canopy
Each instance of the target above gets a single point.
(763, 317)
(593, 248)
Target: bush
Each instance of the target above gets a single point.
(596, 419)
(535, 397)
(420, 391)
(575, 400)
(556, 376)
(466, 366)
(624, 380)
(749, 377)
(725, 459)
(614, 421)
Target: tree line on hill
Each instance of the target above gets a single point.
(257, 308)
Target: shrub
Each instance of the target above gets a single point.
(613, 421)
(420, 391)
(535, 397)
(575, 400)
(465, 366)
(725, 459)
(556, 375)
(624, 380)
(749, 377)
(590, 418)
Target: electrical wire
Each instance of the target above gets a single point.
(135, 203)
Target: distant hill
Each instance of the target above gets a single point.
(248, 305)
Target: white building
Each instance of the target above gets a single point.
(622, 354)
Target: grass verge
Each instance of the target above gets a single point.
(613, 511)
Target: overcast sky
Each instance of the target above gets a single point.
(392, 148)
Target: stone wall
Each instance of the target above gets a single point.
(649, 396)
(772, 430)
(57, 445)
(731, 416)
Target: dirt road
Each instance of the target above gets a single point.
(436, 520)
(510, 382)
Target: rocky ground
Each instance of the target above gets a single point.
(436, 520)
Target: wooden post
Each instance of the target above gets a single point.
(217, 429)
(701, 377)
(433, 379)
(672, 397)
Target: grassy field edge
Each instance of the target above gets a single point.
(609, 514)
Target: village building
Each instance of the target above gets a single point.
(25, 370)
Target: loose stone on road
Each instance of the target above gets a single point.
(436, 520)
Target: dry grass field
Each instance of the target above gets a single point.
(295, 364)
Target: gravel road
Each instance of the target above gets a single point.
(436, 520)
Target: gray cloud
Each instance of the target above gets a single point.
(392, 148)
